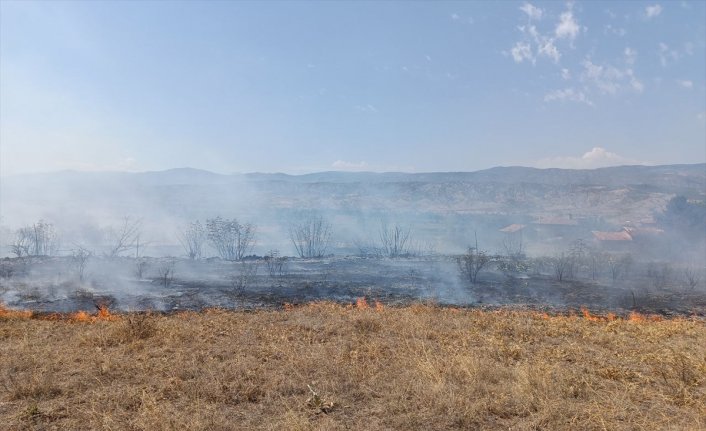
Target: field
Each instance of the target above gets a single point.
(327, 366)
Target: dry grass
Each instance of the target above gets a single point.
(327, 367)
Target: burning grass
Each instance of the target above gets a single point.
(326, 366)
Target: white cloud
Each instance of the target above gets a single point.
(618, 31)
(543, 45)
(366, 108)
(547, 48)
(568, 27)
(609, 79)
(630, 55)
(685, 83)
(653, 11)
(567, 95)
(565, 74)
(533, 12)
(701, 116)
(341, 165)
(522, 51)
(458, 18)
(598, 157)
(666, 54)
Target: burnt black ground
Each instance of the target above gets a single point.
(53, 285)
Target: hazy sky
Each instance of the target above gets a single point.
(299, 87)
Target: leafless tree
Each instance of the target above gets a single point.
(471, 263)
(618, 265)
(276, 265)
(394, 240)
(367, 248)
(124, 237)
(578, 252)
(140, 267)
(512, 246)
(562, 264)
(192, 237)
(79, 259)
(231, 239)
(21, 245)
(691, 277)
(311, 237)
(40, 239)
(244, 275)
(659, 273)
(165, 272)
(596, 260)
(513, 259)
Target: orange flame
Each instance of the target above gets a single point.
(361, 304)
(103, 313)
(637, 317)
(378, 306)
(6, 313)
(80, 316)
(590, 317)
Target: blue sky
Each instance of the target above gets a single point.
(299, 87)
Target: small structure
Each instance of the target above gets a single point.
(513, 228)
(613, 241)
(553, 228)
(647, 232)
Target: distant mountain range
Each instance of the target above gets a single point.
(355, 199)
(685, 175)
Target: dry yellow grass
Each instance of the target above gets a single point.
(327, 367)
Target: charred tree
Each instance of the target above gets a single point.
(311, 237)
(230, 239)
(394, 241)
(124, 237)
(192, 237)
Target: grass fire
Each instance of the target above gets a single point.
(352, 215)
(327, 366)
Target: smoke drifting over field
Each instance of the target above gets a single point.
(626, 237)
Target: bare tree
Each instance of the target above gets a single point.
(276, 265)
(562, 264)
(21, 245)
(40, 239)
(311, 237)
(394, 240)
(79, 259)
(691, 277)
(367, 248)
(192, 237)
(165, 273)
(596, 260)
(124, 237)
(140, 267)
(471, 263)
(240, 279)
(513, 246)
(578, 252)
(659, 273)
(618, 265)
(231, 239)
(513, 259)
